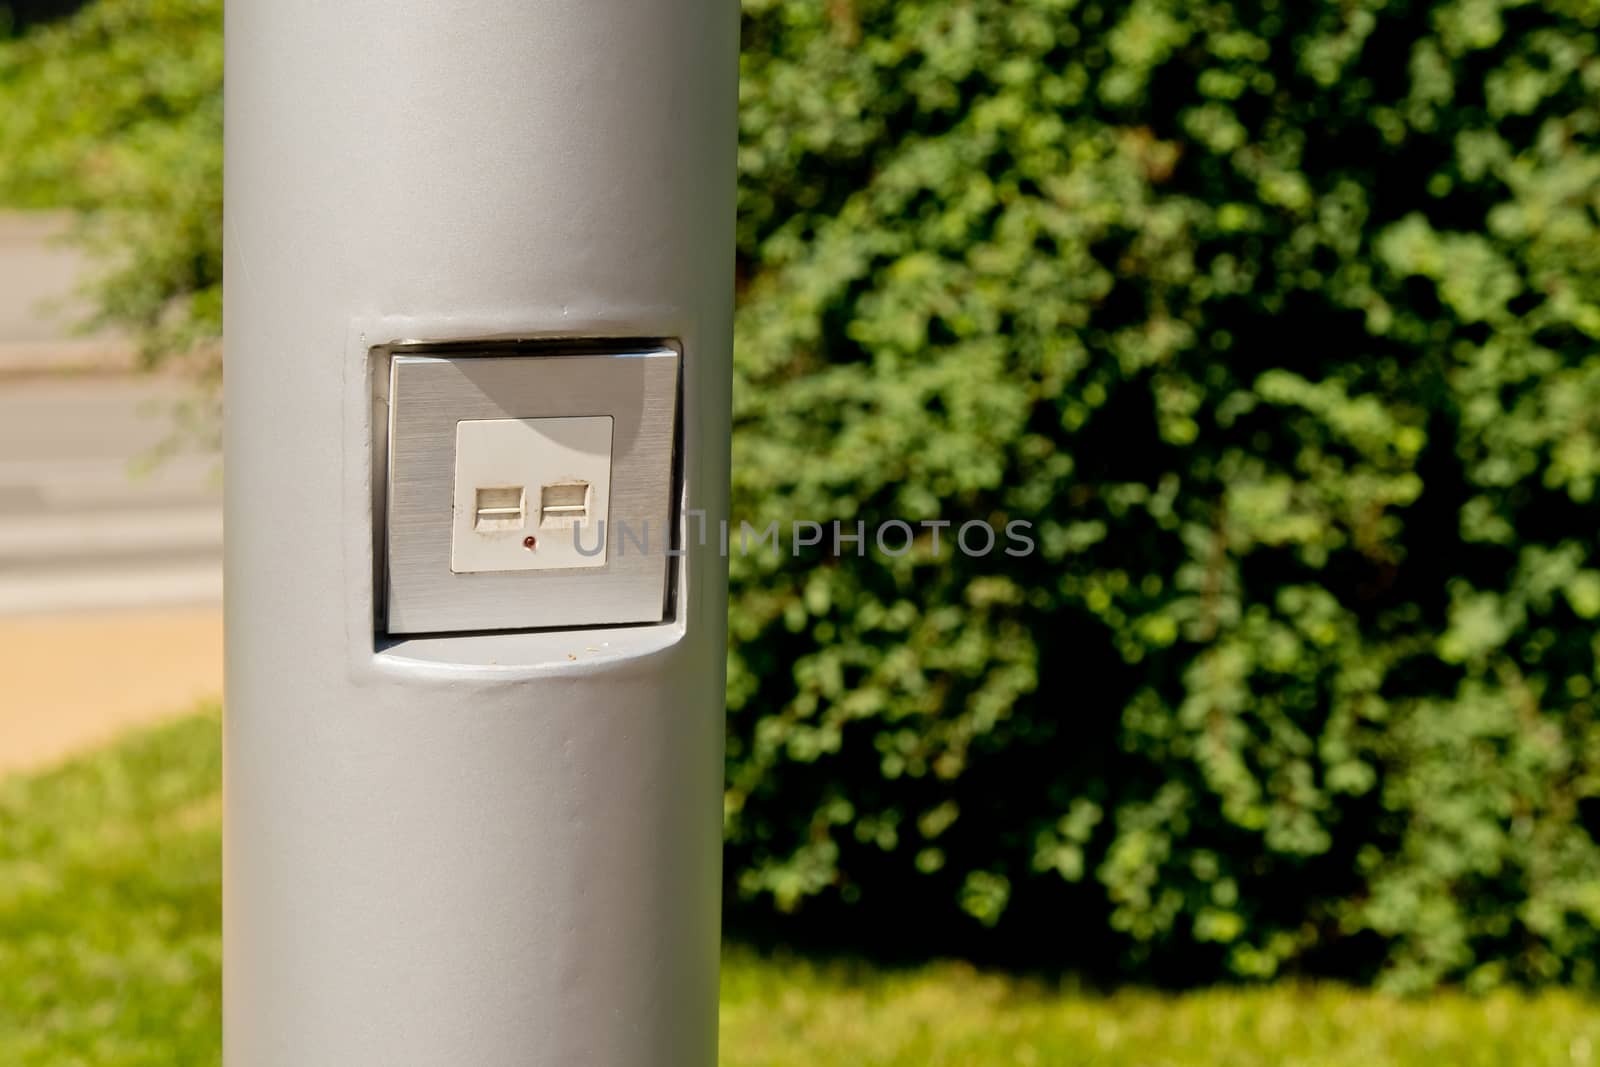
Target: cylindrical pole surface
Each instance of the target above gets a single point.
(474, 849)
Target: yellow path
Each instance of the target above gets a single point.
(70, 681)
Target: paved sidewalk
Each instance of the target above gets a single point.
(110, 580)
(71, 681)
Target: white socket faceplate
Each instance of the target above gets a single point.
(486, 451)
(531, 494)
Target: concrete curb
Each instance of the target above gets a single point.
(28, 358)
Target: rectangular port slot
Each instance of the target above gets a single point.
(500, 508)
(564, 504)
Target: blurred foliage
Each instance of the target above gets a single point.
(17, 16)
(1278, 321)
(116, 113)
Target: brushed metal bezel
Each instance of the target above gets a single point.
(430, 392)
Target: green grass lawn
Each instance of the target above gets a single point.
(110, 955)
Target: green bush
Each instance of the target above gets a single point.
(116, 113)
(1278, 321)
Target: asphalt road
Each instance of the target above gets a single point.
(82, 525)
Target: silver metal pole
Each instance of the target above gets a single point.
(479, 274)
